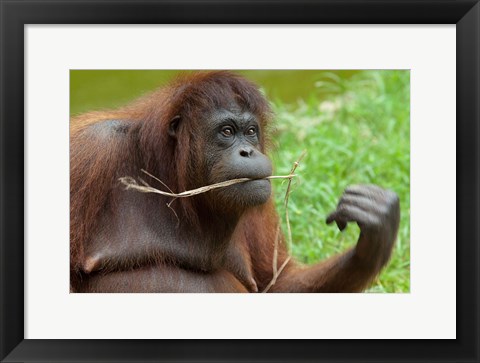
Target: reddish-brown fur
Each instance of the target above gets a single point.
(195, 264)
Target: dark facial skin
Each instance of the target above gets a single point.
(232, 150)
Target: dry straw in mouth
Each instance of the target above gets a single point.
(131, 183)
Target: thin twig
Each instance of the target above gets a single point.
(283, 266)
(287, 194)
(276, 273)
(169, 204)
(275, 277)
(274, 259)
(275, 250)
(131, 183)
(154, 177)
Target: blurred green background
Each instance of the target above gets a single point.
(355, 126)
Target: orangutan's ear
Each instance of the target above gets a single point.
(173, 126)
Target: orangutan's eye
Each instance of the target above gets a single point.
(252, 131)
(227, 131)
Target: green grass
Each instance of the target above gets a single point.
(359, 134)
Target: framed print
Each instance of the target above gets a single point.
(374, 100)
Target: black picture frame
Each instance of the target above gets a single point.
(15, 14)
